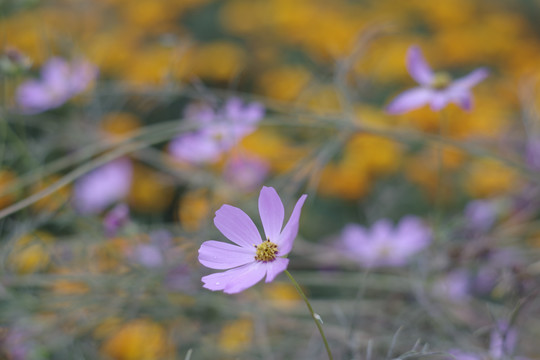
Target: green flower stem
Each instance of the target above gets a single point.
(315, 317)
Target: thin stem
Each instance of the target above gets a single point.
(315, 317)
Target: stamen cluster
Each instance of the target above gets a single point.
(266, 251)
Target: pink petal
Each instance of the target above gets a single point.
(275, 268)
(219, 255)
(470, 80)
(418, 67)
(34, 97)
(439, 100)
(382, 230)
(237, 226)
(272, 212)
(237, 279)
(465, 101)
(354, 236)
(286, 240)
(409, 100)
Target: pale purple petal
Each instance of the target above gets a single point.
(459, 95)
(33, 97)
(199, 113)
(247, 172)
(272, 212)
(470, 80)
(220, 255)
(237, 279)
(149, 256)
(276, 267)
(103, 186)
(237, 226)
(286, 240)
(480, 215)
(115, 219)
(234, 110)
(353, 237)
(410, 100)
(465, 101)
(439, 100)
(503, 340)
(460, 355)
(82, 74)
(418, 67)
(382, 229)
(55, 73)
(195, 148)
(59, 81)
(410, 237)
(384, 244)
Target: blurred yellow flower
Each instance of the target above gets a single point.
(25, 35)
(343, 181)
(194, 209)
(118, 125)
(150, 191)
(487, 178)
(147, 13)
(31, 253)
(153, 65)
(281, 295)
(139, 339)
(236, 336)
(378, 155)
(245, 16)
(218, 61)
(279, 152)
(112, 51)
(434, 169)
(283, 83)
(7, 178)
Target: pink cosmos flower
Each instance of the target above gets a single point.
(252, 257)
(218, 131)
(436, 89)
(103, 186)
(59, 82)
(384, 245)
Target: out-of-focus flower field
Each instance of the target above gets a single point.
(413, 127)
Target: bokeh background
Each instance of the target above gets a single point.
(71, 288)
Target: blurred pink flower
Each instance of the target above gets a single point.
(480, 215)
(153, 254)
(436, 89)
(59, 82)
(532, 153)
(115, 219)
(218, 131)
(384, 245)
(254, 257)
(503, 341)
(246, 172)
(103, 186)
(455, 286)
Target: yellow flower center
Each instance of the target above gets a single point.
(266, 251)
(441, 80)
